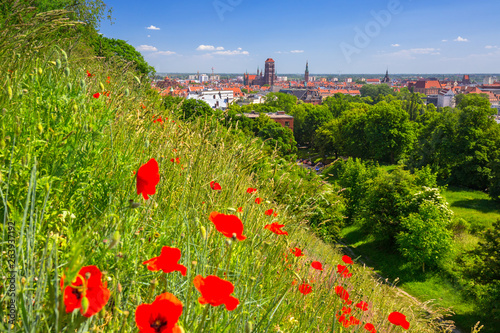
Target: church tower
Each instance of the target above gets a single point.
(269, 72)
(306, 75)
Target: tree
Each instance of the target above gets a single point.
(425, 238)
(337, 104)
(388, 131)
(353, 131)
(281, 101)
(194, 108)
(374, 90)
(317, 116)
(280, 137)
(328, 139)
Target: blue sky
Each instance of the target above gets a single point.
(335, 36)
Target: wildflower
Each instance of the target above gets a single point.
(228, 225)
(147, 178)
(251, 190)
(347, 260)
(107, 79)
(362, 305)
(239, 210)
(342, 293)
(370, 327)
(160, 316)
(96, 95)
(276, 228)
(297, 252)
(294, 282)
(215, 186)
(158, 120)
(275, 214)
(399, 319)
(258, 201)
(176, 160)
(268, 212)
(317, 265)
(341, 269)
(86, 292)
(305, 289)
(167, 261)
(88, 74)
(216, 291)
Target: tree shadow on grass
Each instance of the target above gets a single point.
(482, 205)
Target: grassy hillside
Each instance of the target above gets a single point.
(76, 135)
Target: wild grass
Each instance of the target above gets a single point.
(67, 177)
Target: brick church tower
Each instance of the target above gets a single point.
(306, 75)
(269, 72)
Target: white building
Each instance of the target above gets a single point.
(489, 79)
(446, 97)
(215, 78)
(217, 99)
(193, 77)
(203, 78)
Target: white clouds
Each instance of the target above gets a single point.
(412, 53)
(460, 39)
(209, 48)
(165, 52)
(149, 35)
(395, 45)
(146, 48)
(444, 40)
(491, 47)
(221, 51)
(152, 27)
(297, 51)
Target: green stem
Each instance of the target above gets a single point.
(205, 312)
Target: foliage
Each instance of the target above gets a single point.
(425, 239)
(195, 108)
(281, 101)
(389, 132)
(375, 90)
(121, 52)
(280, 137)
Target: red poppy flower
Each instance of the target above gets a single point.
(215, 291)
(268, 212)
(317, 265)
(96, 95)
(362, 305)
(294, 282)
(399, 319)
(305, 289)
(342, 293)
(276, 228)
(158, 120)
(167, 261)
(275, 214)
(251, 190)
(297, 252)
(176, 160)
(215, 186)
(239, 210)
(258, 201)
(370, 327)
(87, 285)
(147, 178)
(347, 260)
(107, 79)
(341, 269)
(228, 225)
(161, 316)
(88, 74)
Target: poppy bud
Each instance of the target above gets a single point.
(101, 86)
(65, 56)
(85, 304)
(66, 71)
(9, 92)
(82, 84)
(231, 209)
(127, 92)
(58, 63)
(229, 242)
(40, 128)
(23, 280)
(75, 107)
(52, 62)
(137, 79)
(203, 233)
(248, 327)
(40, 71)
(114, 240)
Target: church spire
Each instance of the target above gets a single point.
(306, 74)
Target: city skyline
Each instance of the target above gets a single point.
(236, 36)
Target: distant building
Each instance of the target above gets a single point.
(426, 86)
(386, 78)
(279, 117)
(446, 97)
(373, 81)
(489, 80)
(217, 99)
(269, 76)
(306, 74)
(203, 78)
(305, 95)
(214, 78)
(466, 79)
